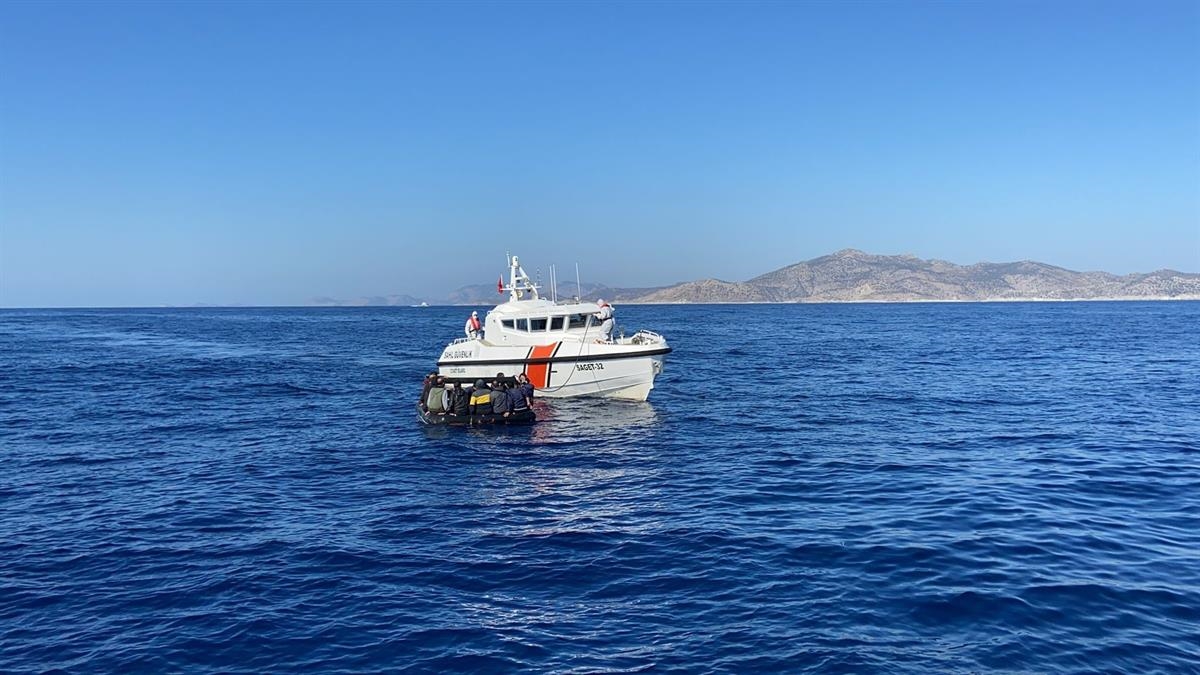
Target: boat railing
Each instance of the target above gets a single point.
(646, 337)
(642, 337)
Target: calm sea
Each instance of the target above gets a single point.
(929, 488)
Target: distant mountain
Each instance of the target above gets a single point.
(476, 294)
(706, 291)
(367, 301)
(854, 276)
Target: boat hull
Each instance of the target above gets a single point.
(519, 418)
(561, 369)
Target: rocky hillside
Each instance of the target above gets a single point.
(707, 291)
(854, 276)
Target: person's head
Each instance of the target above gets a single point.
(479, 384)
(441, 380)
(522, 378)
(458, 385)
(601, 302)
(475, 314)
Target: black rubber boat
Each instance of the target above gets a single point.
(517, 418)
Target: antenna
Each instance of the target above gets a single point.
(578, 287)
(553, 285)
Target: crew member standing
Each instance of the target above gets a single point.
(473, 329)
(605, 317)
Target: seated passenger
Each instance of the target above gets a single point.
(481, 399)
(526, 388)
(499, 400)
(433, 402)
(462, 401)
(516, 399)
(425, 387)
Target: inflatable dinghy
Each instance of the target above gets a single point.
(516, 418)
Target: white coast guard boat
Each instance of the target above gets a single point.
(558, 345)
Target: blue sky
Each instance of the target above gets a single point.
(240, 153)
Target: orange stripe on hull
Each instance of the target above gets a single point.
(539, 373)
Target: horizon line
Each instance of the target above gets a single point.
(681, 304)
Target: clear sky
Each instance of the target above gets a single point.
(173, 153)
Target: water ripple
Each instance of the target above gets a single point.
(916, 488)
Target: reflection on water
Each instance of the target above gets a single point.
(592, 419)
(584, 469)
(566, 421)
(947, 488)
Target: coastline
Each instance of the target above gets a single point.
(1189, 298)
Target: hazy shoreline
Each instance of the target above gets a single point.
(635, 303)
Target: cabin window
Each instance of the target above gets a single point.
(537, 324)
(556, 323)
(578, 321)
(507, 323)
(523, 324)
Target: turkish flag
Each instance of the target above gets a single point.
(500, 286)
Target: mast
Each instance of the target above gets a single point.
(519, 283)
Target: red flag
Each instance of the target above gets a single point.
(500, 286)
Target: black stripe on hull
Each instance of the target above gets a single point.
(554, 359)
(549, 363)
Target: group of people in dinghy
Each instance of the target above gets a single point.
(503, 396)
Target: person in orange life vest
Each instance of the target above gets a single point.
(605, 317)
(473, 328)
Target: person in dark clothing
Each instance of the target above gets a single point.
(499, 400)
(461, 404)
(481, 399)
(425, 387)
(526, 388)
(516, 399)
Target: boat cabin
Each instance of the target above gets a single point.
(528, 319)
(539, 322)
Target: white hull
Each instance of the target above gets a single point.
(560, 369)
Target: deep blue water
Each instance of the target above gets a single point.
(859, 488)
